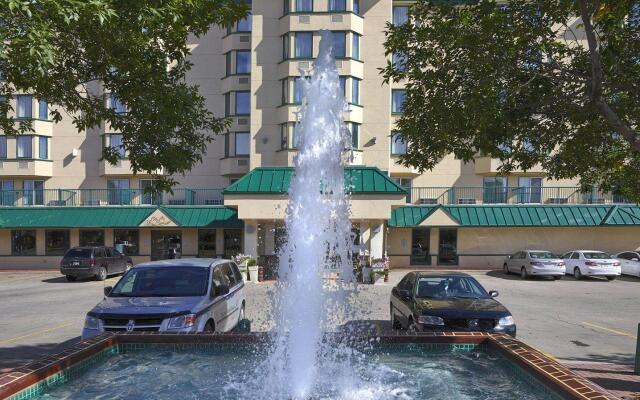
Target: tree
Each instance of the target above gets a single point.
(72, 52)
(549, 82)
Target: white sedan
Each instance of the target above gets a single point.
(630, 262)
(582, 263)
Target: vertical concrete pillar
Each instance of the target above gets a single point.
(434, 241)
(108, 237)
(220, 242)
(74, 238)
(189, 243)
(269, 239)
(40, 242)
(376, 248)
(365, 234)
(251, 238)
(5, 242)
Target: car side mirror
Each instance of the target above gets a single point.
(404, 294)
(107, 290)
(493, 293)
(221, 290)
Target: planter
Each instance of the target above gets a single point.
(378, 279)
(253, 273)
(366, 276)
(260, 274)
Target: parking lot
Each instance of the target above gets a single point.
(589, 320)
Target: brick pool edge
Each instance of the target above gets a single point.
(552, 374)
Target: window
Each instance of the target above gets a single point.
(285, 47)
(337, 5)
(304, 6)
(230, 275)
(355, 135)
(93, 237)
(115, 142)
(356, 6)
(207, 243)
(495, 189)
(43, 147)
(126, 241)
(23, 243)
(298, 92)
(339, 44)
(7, 194)
(398, 145)
(575, 256)
(355, 46)
(343, 85)
(3, 146)
(232, 242)
(244, 25)
(303, 44)
(33, 192)
(227, 104)
(242, 143)
(148, 193)
(420, 239)
(43, 109)
(117, 105)
(24, 144)
(288, 137)
(25, 106)
(56, 242)
(355, 91)
(398, 97)
(243, 62)
(400, 15)
(406, 183)
(227, 66)
(448, 246)
(399, 61)
(243, 103)
(163, 281)
(226, 145)
(118, 192)
(529, 190)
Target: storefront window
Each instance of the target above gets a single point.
(23, 243)
(420, 246)
(56, 242)
(232, 242)
(126, 241)
(448, 247)
(92, 237)
(207, 243)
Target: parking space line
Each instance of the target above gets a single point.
(37, 333)
(602, 328)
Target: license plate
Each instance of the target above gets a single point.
(76, 263)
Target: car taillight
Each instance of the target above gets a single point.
(616, 264)
(561, 264)
(591, 264)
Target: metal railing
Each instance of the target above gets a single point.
(108, 197)
(509, 195)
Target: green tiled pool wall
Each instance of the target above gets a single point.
(59, 378)
(517, 373)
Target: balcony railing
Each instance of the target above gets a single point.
(509, 195)
(108, 197)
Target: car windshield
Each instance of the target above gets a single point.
(78, 253)
(162, 282)
(596, 255)
(449, 287)
(543, 255)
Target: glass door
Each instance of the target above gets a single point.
(529, 190)
(166, 245)
(232, 242)
(420, 246)
(448, 247)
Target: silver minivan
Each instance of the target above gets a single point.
(172, 296)
(529, 263)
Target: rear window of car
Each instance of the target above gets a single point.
(544, 255)
(596, 255)
(79, 253)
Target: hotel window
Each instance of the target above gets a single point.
(126, 241)
(337, 5)
(304, 5)
(3, 146)
(399, 61)
(298, 92)
(227, 68)
(343, 85)
(400, 15)
(43, 147)
(355, 46)
(56, 242)
(23, 243)
(24, 146)
(227, 104)
(355, 135)
(115, 142)
(398, 97)
(243, 103)
(339, 44)
(355, 91)
(148, 193)
(529, 190)
(8, 195)
(398, 145)
(43, 109)
(356, 6)
(207, 243)
(33, 192)
(118, 192)
(25, 106)
(303, 44)
(288, 138)
(91, 237)
(243, 143)
(494, 189)
(116, 105)
(244, 25)
(243, 62)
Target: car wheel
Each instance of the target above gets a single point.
(395, 324)
(102, 274)
(411, 326)
(505, 269)
(209, 327)
(523, 273)
(577, 274)
(557, 277)
(71, 278)
(611, 278)
(128, 267)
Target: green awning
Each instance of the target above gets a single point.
(204, 217)
(74, 217)
(276, 180)
(522, 215)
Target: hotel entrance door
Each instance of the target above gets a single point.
(166, 245)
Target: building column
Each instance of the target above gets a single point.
(251, 238)
(434, 242)
(220, 242)
(365, 234)
(376, 249)
(269, 239)
(108, 237)
(74, 238)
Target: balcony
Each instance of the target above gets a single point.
(234, 166)
(121, 168)
(509, 195)
(334, 21)
(26, 168)
(490, 166)
(109, 197)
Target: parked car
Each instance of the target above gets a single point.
(431, 301)
(173, 296)
(582, 263)
(529, 263)
(96, 261)
(629, 262)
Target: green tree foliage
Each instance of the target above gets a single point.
(549, 82)
(70, 52)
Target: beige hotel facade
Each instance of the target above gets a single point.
(56, 193)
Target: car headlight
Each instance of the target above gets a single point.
(430, 320)
(183, 321)
(506, 321)
(91, 322)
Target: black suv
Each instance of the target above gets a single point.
(98, 261)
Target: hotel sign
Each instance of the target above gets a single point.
(158, 219)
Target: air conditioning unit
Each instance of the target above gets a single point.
(466, 201)
(427, 201)
(338, 63)
(57, 203)
(598, 200)
(304, 19)
(558, 200)
(176, 202)
(244, 39)
(304, 64)
(243, 81)
(213, 202)
(243, 162)
(243, 121)
(336, 18)
(23, 165)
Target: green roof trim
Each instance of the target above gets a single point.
(204, 217)
(521, 215)
(276, 180)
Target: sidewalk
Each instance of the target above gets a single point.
(618, 380)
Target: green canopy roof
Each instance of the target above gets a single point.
(522, 215)
(203, 217)
(276, 180)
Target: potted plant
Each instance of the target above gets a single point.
(378, 276)
(241, 261)
(379, 270)
(253, 268)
